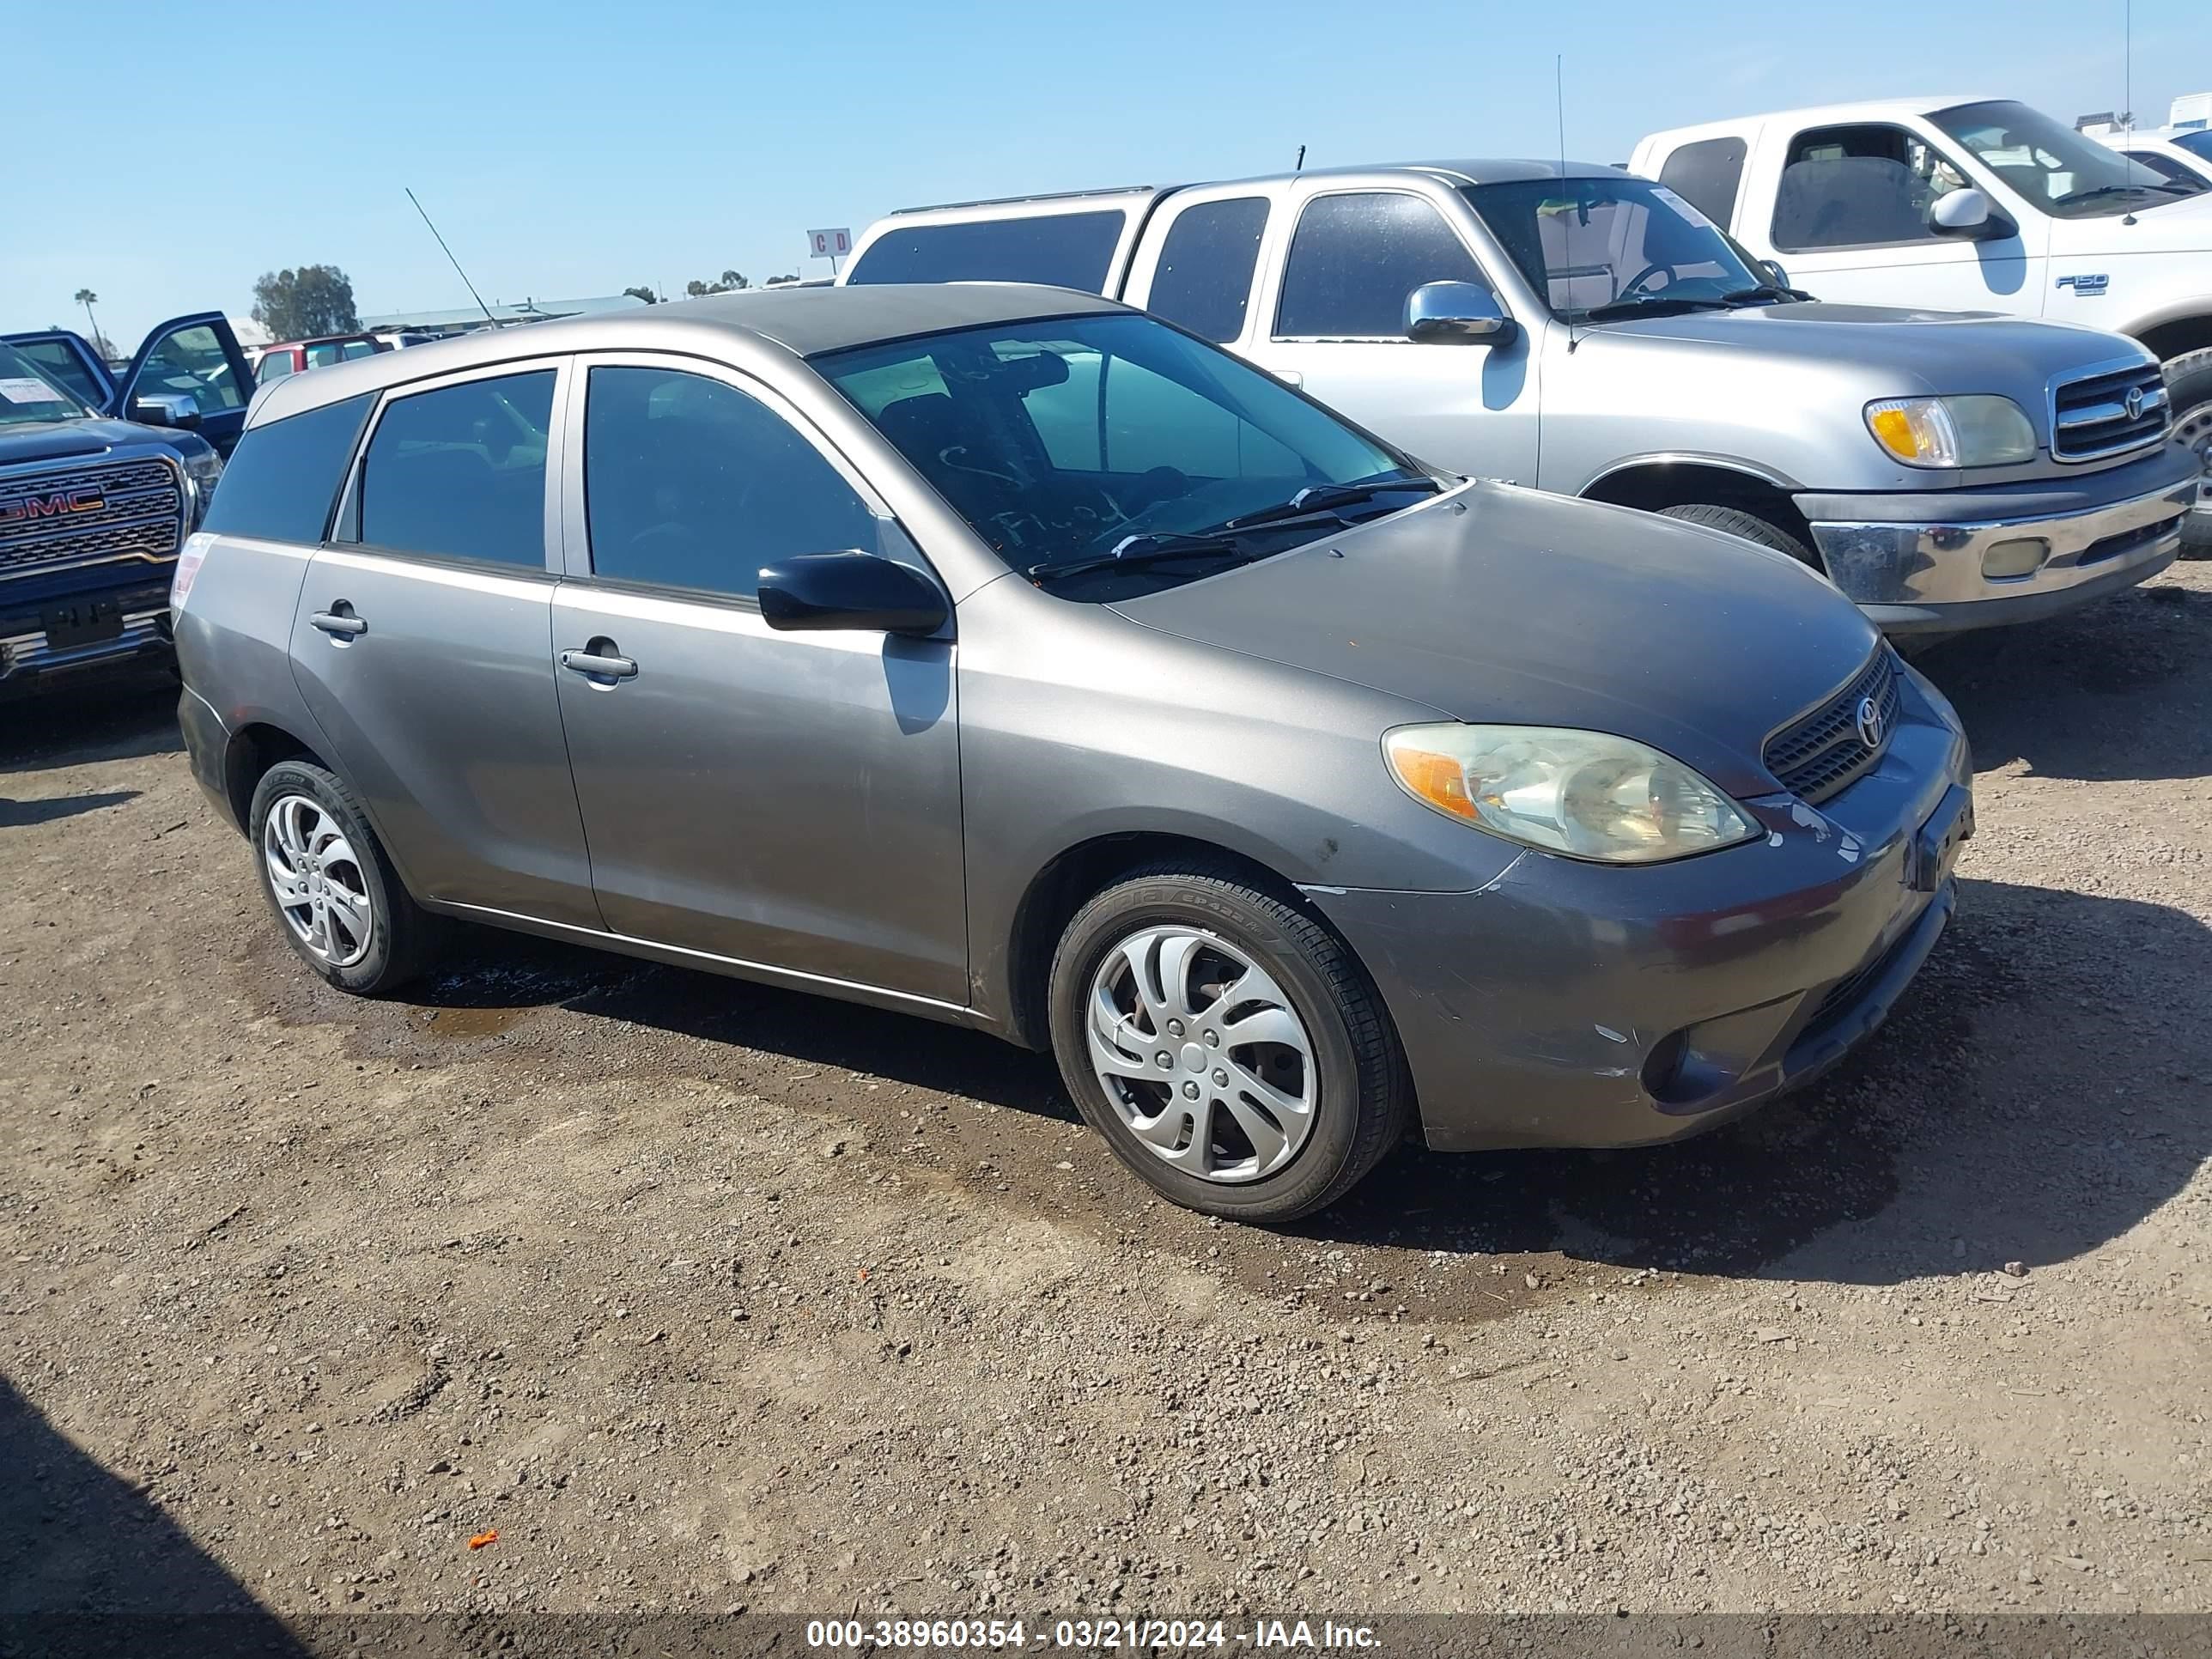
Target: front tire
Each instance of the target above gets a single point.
(2189, 385)
(337, 899)
(1749, 525)
(1231, 1050)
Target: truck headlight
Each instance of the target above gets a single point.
(1588, 794)
(202, 466)
(1984, 430)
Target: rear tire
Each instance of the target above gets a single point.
(2189, 383)
(1282, 1083)
(337, 899)
(1749, 525)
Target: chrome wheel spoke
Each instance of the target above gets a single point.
(1178, 953)
(1268, 1142)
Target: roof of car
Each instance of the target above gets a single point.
(801, 322)
(1491, 171)
(1834, 115)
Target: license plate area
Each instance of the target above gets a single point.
(87, 622)
(1935, 845)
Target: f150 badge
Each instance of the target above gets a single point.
(2085, 287)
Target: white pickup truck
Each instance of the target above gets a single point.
(1969, 204)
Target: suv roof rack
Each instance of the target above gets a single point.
(1021, 201)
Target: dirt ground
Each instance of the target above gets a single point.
(704, 1296)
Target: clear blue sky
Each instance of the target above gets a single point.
(165, 154)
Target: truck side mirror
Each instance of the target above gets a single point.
(1968, 215)
(174, 409)
(1772, 270)
(1457, 314)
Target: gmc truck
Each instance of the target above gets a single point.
(101, 478)
(1972, 202)
(1578, 329)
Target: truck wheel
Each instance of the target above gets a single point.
(2189, 383)
(1230, 1049)
(1749, 525)
(336, 897)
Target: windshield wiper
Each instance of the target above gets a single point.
(2180, 193)
(1318, 501)
(1769, 292)
(1146, 547)
(1655, 307)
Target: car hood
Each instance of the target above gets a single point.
(1938, 351)
(1504, 605)
(62, 440)
(2183, 227)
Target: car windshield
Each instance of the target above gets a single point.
(1603, 243)
(1104, 438)
(27, 396)
(2055, 167)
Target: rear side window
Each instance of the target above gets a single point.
(460, 472)
(689, 483)
(275, 366)
(1066, 250)
(1707, 174)
(281, 481)
(1204, 281)
(1354, 259)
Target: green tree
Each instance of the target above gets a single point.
(640, 292)
(87, 299)
(298, 305)
(730, 281)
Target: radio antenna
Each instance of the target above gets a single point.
(1567, 227)
(1299, 165)
(457, 271)
(2127, 70)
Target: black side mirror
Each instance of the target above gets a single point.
(818, 590)
(180, 409)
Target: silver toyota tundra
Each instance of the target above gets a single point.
(1588, 331)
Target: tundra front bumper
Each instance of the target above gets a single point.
(1945, 561)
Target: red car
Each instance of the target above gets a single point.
(290, 356)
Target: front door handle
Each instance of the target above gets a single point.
(600, 659)
(339, 622)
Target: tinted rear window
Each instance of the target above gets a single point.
(459, 472)
(1707, 174)
(1204, 276)
(282, 480)
(1066, 250)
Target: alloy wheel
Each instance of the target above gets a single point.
(317, 878)
(1201, 1053)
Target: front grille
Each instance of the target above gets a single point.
(1820, 753)
(2092, 416)
(123, 510)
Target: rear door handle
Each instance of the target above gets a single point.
(604, 664)
(339, 622)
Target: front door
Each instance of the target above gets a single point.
(1333, 323)
(1850, 224)
(420, 644)
(785, 800)
(196, 357)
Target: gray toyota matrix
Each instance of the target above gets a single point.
(999, 655)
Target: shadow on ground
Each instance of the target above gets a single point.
(2005, 1114)
(21, 814)
(75, 727)
(90, 1564)
(2121, 689)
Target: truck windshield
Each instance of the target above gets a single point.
(2055, 167)
(1603, 244)
(25, 395)
(1117, 444)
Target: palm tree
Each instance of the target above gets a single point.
(87, 299)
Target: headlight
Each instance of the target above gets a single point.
(202, 466)
(1953, 432)
(1584, 793)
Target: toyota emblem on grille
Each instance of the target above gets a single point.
(1869, 721)
(2135, 403)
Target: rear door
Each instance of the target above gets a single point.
(198, 357)
(788, 800)
(1333, 323)
(420, 643)
(69, 360)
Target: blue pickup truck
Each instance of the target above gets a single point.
(102, 476)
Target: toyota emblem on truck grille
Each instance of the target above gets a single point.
(1869, 722)
(2135, 403)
